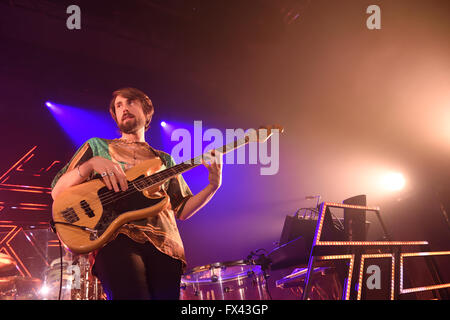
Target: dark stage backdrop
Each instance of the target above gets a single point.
(355, 103)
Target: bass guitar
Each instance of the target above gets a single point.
(87, 215)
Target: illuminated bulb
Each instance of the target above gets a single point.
(44, 290)
(163, 124)
(393, 181)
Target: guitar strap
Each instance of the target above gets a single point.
(158, 154)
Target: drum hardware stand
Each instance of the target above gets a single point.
(265, 263)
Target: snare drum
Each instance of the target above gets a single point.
(234, 280)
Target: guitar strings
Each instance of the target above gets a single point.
(111, 196)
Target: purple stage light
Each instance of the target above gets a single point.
(82, 124)
(163, 124)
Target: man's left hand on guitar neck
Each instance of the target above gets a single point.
(196, 202)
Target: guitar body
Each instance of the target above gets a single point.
(92, 205)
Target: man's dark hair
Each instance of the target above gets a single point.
(133, 94)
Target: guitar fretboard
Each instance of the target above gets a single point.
(185, 166)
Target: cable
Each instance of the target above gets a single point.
(61, 269)
(73, 225)
(267, 284)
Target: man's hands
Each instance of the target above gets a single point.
(111, 172)
(214, 168)
(115, 178)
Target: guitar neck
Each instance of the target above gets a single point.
(187, 165)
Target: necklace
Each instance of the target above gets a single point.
(133, 145)
(130, 142)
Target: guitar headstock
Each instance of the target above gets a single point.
(263, 133)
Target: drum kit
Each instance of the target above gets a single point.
(14, 287)
(248, 280)
(70, 278)
(234, 280)
(77, 281)
(231, 280)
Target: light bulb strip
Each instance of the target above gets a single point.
(371, 243)
(351, 257)
(321, 218)
(423, 288)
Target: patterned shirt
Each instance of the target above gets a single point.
(161, 230)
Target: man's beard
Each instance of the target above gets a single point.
(130, 125)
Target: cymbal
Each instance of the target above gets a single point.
(6, 284)
(27, 283)
(7, 263)
(19, 283)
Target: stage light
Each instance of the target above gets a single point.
(82, 124)
(44, 290)
(393, 181)
(163, 124)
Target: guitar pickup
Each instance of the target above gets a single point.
(70, 215)
(87, 209)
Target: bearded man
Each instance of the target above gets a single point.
(145, 259)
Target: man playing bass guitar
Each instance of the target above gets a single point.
(145, 258)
